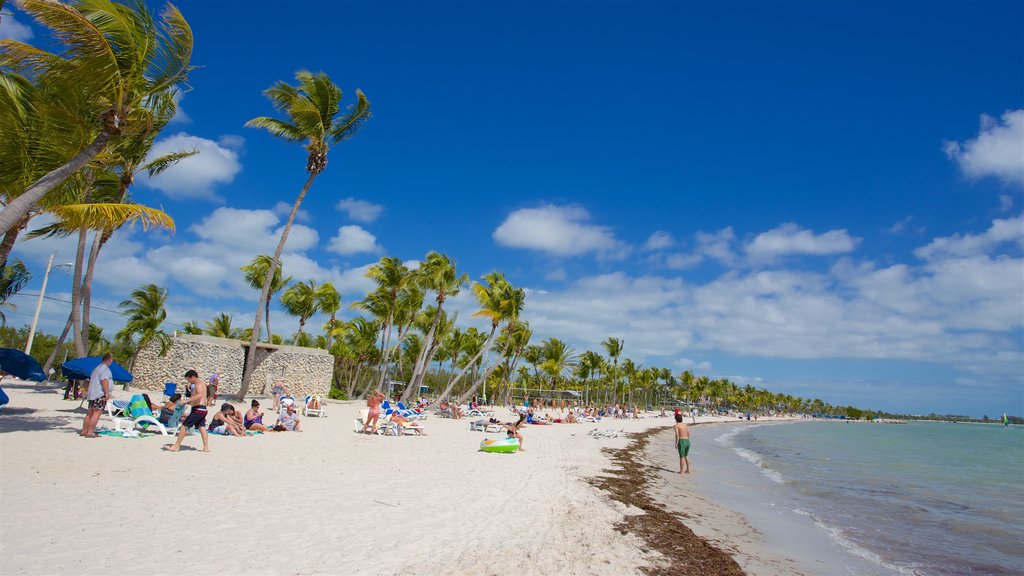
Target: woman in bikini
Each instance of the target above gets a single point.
(373, 403)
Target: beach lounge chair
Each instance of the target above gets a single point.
(410, 413)
(307, 411)
(135, 413)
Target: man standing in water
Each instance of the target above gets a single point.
(197, 417)
(683, 444)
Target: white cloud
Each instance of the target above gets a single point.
(659, 240)
(1009, 230)
(196, 176)
(1005, 202)
(354, 240)
(283, 209)
(790, 239)
(559, 230)
(179, 113)
(715, 246)
(360, 210)
(12, 29)
(998, 150)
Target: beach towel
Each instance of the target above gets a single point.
(137, 406)
(121, 434)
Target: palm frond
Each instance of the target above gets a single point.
(99, 216)
(348, 125)
(278, 128)
(158, 165)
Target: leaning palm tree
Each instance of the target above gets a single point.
(312, 108)
(115, 58)
(256, 273)
(145, 312)
(437, 273)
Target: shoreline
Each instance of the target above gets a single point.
(324, 501)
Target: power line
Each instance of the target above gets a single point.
(91, 307)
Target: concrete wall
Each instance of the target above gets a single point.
(304, 370)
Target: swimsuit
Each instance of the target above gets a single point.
(684, 447)
(196, 418)
(256, 420)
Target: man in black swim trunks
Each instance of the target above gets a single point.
(197, 417)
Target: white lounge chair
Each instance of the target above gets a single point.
(307, 411)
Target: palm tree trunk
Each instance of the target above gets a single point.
(94, 255)
(76, 296)
(424, 358)
(17, 209)
(385, 349)
(270, 335)
(451, 384)
(56, 349)
(487, 374)
(250, 359)
(11, 237)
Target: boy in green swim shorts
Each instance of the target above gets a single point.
(683, 444)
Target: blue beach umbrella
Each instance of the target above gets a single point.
(81, 368)
(17, 363)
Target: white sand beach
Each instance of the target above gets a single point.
(323, 501)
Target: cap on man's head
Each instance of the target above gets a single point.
(191, 374)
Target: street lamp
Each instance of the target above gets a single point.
(39, 303)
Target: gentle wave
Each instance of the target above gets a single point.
(838, 536)
(756, 459)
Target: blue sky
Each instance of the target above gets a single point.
(821, 198)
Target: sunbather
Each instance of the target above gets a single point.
(373, 417)
(571, 418)
(167, 410)
(290, 419)
(406, 423)
(254, 418)
(313, 404)
(224, 422)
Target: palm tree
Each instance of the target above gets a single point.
(558, 358)
(116, 57)
(391, 277)
(192, 327)
(256, 273)
(300, 300)
(328, 301)
(499, 301)
(220, 326)
(145, 312)
(312, 108)
(613, 347)
(437, 273)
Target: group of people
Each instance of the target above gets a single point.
(197, 398)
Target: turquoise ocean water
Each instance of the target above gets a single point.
(918, 498)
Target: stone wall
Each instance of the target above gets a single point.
(304, 370)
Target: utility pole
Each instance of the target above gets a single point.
(39, 305)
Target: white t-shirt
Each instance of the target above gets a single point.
(99, 373)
